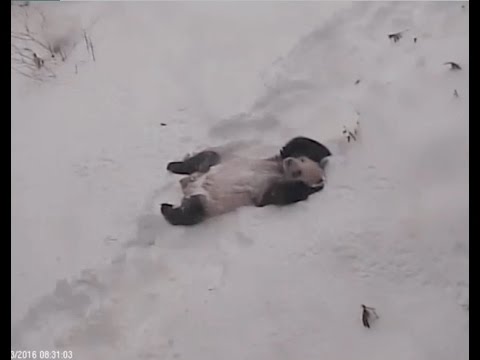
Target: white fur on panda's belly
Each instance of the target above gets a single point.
(230, 185)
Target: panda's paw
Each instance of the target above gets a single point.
(191, 212)
(178, 167)
(168, 212)
(165, 208)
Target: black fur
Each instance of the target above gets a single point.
(302, 146)
(191, 211)
(200, 162)
(287, 192)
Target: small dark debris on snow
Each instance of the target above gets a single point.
(414, 40)
(455, 93)
(395, 37)
(453, 66)
(368, 315)
(163, 124)
(38, 61)
(349, 134)
(357, 82)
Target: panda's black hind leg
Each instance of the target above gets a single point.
(200, 162)
(190, 212)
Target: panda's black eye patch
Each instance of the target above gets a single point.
(297, 173)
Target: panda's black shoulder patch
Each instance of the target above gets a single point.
(303, 146)
(287, 192)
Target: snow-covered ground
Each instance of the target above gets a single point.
(96, 269)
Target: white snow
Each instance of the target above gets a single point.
(96, 269)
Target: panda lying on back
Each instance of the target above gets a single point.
(220, 181)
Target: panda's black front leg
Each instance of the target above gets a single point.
(287, 192)
(190, 212)
(200, 162)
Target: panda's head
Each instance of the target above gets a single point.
(305, 159)
(304, 169)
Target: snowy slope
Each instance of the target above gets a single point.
(390, 230)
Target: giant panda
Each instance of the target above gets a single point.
(218, 180)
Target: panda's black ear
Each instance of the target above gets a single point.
(303, 146)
